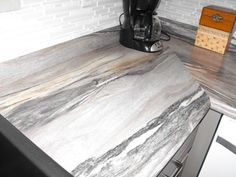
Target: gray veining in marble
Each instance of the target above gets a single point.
(99, 111)
(170, 124)
(215, 72)
(97, 108)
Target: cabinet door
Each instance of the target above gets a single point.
(221, 158)
(201, 144)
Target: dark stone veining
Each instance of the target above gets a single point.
(107, 110)
(172, 125)
(130, 107)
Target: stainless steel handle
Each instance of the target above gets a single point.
(183, 160)
(178, 169)
(175, 174)
(178, 172)
(228, 145)
(179, 164)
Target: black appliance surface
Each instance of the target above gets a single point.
(141, 27)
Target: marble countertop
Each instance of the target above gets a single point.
(97, 108)
(215, 72)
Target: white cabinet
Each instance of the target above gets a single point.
(202, 142)
(221, 158)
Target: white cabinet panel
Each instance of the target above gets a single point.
(221, 158)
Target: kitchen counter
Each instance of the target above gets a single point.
(100, 109)
(215, 72)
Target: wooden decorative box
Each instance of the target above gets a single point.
(215, 28)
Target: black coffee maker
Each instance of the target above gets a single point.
(141, 28)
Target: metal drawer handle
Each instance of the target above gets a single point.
(231, 147)
(217, 18)
(179, 165)
(178, 170)
(176, 173)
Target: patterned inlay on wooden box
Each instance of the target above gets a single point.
(212, 39)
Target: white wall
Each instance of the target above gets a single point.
(43, 23)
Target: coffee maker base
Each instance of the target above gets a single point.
(150, 46)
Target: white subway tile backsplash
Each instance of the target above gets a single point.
(43, 23)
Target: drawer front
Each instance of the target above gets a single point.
(175, 166)
(218, 20)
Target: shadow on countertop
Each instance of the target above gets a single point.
(19, 157)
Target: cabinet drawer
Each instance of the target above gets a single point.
(222, 152)
(175, 166)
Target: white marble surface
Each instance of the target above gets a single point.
(110, 111)
(215, 72)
